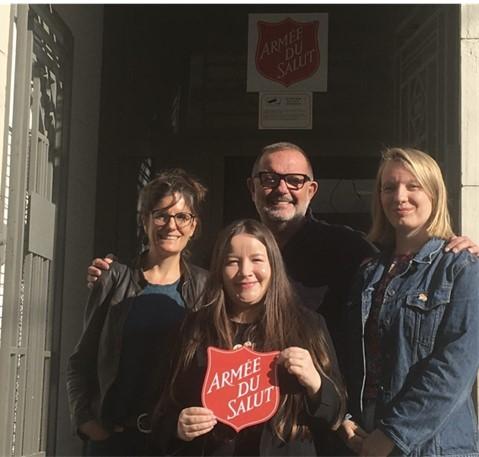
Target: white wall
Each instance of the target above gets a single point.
(469, 123)
(4, 36)
(470, 119)
(86, 25)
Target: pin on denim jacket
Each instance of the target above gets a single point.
(429, 330)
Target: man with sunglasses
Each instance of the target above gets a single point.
(282, 186)
(319, 257)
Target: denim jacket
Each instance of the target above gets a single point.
(429, 330)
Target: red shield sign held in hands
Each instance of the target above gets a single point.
(241, 386)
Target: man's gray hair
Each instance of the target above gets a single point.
(281, 146)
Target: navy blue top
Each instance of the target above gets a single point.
(152, 316)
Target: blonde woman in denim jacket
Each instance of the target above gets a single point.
(413, 322)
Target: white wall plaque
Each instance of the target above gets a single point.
(283, 110)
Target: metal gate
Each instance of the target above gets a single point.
(32, 198)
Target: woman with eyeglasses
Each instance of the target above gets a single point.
(129, 318)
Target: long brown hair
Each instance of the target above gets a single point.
(283, 323)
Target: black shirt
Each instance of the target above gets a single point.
(320, 256)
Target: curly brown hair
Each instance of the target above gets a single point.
(172, 182)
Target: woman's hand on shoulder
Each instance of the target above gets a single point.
(461, 243)
(195, 421)
(299, 363)
(94, 430)
(96, 269)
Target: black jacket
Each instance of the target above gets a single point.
(323, 255)
(93, 366)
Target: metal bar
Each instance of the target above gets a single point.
(32, 181)
(45, 355)
(49, 192)
(45, 401)
(4, 179)
(41, 171)
(45, 60)
(45, 183)
(45, 180)
(9, 406)
(58, 27)
(44, 37)
(29, 322)
(18, 403)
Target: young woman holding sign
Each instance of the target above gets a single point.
(249, 300)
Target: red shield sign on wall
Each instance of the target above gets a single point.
(287, 51)
(241, 386)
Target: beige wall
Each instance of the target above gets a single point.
(4, 35)
(469, 125)
(470, 119)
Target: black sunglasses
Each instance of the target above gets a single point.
(294, 181)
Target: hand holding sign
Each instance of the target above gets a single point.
(194, 422)
(299, 363)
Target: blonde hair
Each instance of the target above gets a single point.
(426, 170)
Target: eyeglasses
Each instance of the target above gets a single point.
(161, 218)
(270, 179)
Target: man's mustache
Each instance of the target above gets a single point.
(273, 199)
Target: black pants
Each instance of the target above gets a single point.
(128, 443)
(369, 415)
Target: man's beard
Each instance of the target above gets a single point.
(277, 215)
